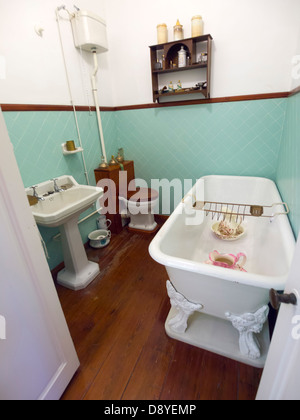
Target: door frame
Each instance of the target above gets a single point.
(281, 376)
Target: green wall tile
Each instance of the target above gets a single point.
(288, 171)
(252, 138)
(237, 138)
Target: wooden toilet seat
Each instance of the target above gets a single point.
(142, 195)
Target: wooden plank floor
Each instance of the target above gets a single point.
(117, 325)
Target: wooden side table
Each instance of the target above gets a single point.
(113, 173)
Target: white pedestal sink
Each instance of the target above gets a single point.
(63, 209)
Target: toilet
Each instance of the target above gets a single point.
(140, 206)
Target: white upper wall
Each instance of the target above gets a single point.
(254, 43)
(296, 65)
(32, 68)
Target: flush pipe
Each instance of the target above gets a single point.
(95, 93)
(70, 90)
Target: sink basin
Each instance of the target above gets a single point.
(63, 209)
(58, 208)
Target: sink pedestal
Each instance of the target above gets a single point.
(79, 272)
(63, 202)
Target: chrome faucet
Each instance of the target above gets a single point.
(56, 187)
(35, 194)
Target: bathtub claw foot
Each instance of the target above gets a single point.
(247, 325)
(184, 308)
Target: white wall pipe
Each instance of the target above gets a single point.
(95, 93)
(70, 90)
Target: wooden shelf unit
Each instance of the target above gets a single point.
(170, 51)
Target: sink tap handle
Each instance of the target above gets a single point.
(56, 187)
(34, 190)
(35, 194)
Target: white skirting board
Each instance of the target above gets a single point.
(218, 336)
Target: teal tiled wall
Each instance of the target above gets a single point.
(37, 139)
(237, 138)
(288, 172)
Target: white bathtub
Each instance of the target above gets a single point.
(220, 294)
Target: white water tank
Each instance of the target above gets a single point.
(89, 31)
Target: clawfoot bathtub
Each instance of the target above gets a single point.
(219, 309)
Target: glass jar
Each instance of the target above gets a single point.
(120, 157)
(103, 163)
(178, 31)
(197, 26)
(182, 57)
(162, 33)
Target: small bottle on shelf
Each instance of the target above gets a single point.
(182, 57)
(178, 31)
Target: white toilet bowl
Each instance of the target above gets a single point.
(140, 206)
